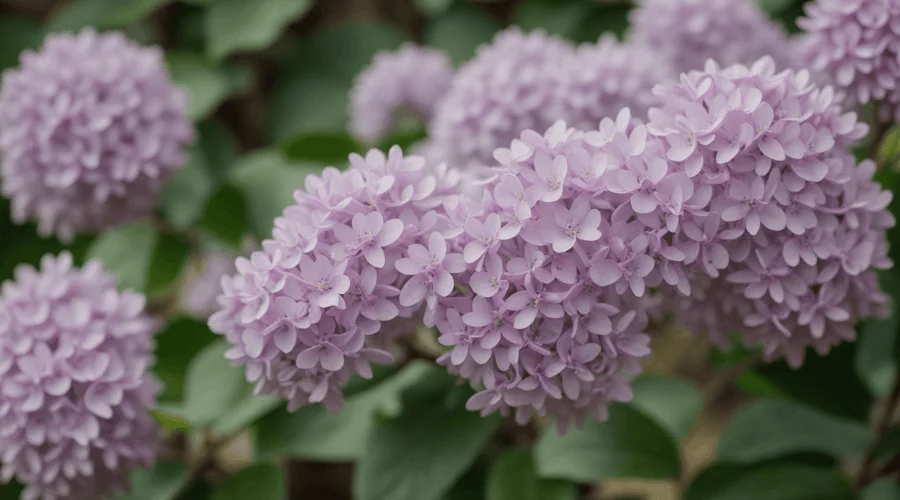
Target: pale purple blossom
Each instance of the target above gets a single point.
(783, 212)
(856, 45)
(92, 127)
(685, 33)
(324, 296)
(74, 383)
(409, 81)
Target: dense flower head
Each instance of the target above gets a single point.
(411, 80)
(786, 248)
(506, 88)
(74, 390)
(603, 78)
(856, 43)
(572, 231)
(688, 32)
(327, 292)
(90, 127)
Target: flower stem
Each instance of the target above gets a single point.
(866, 475)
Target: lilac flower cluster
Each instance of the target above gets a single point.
(90, 127)
(410, 80)
(560, 253)
(688, 32)
(505, 89)
(75, 391)
(785, 246)
(857, 44)
(604, 77)
(340, 276)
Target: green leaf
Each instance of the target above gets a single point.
(323, 148)
(829, 383)
(775, 6)
(11, 491)
(257, 482)
(603, 19)
(513, 478)
(207, 83)
(883, 489)
(419, 454)
(628, 445)
(779, 481)
(459, 31)
(268, 181)
(673, 403)
(186, 196)
(178, 343)
(889, 444)
(121, 14)
(433, 7)
(170, 255)
(161, 482)
(127, 251)
(239, 25)
(78, 14)
(560, 18)
(770, 428)
(248, 410)
(19, 33)
(877, 340)
(311, 94)
(212, 385)
(225, 216)
(170, 421)
(314, 434)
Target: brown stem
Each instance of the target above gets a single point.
(866, 474)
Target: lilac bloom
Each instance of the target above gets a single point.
(430, 270)
(580, 222)
(490, 281)
(765, 274)
(369, 234)
(532, 264)
(829, 305)
(530, 302)
(325, 346)
(550, 174)
(465, 342)
(328, 281)
(755, 205)
(627, 265)
(705, 244)
(692, 127)
(484, 237)
(735, 134)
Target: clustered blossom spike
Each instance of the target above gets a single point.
(90, 127)
(411, 80)
(786, 248)
(857, 44)
(605, 77)
(75, 391)
(688, 32)
(571, 232)
(341, 275)
(505, 89)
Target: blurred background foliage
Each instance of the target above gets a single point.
(268, 83)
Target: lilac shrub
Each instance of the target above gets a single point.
(409, 80)
(339, 276)
(688, 32)
(506, 88)
(786, 248)
(603, 78)
(559, 255)
(856, 43)
(91, 128)
(75, 390)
